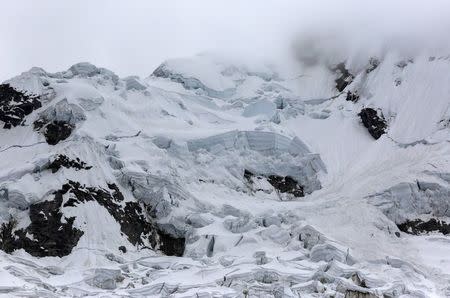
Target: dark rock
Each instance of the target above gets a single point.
(359, 294)
(131, 217)
(58, 121)
(358, 280)
(7, 241)
(210, 248)
(123, 249)
(374, 123)
(418, 226)
(51, 235)
(171, 245)
(344, 76)
(64, 161)
(248, 175)
(57, 131)
(284, 184)
(352, 96)
(15, 105)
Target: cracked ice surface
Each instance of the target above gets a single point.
(178, 144)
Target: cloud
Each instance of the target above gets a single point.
(134, 37)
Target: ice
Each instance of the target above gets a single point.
(411, 200)
(106, 279)
(132, 83)
(262, 107)
(89, 104)
(254, 140)
(178, 148)
(63, 111)
(84, 69)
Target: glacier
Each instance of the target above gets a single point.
(216, 177)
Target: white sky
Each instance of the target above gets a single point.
(134, 37)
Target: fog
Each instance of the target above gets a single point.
(134, 37)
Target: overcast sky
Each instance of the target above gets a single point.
(134, 37)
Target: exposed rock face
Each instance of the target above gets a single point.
(51, 236)
(15, 105)
(344, 77)
(418, 226)
(376, 125)
(131, 217)
(352, 96)
(57, 131)
(171, 245)
(64, 161)
(7, 240)
(282, 184)
(286, 185)
(359, 294)
(57, 122)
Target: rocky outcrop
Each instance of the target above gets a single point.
(170, 243)
(359, 294)
(57, 122)
(57, 131)
(15, 105)
(283, 184)
(352, 96)
(416, 207)
(419, 226)
(48, 233)
(64, 161)
(52, 234)
(375, 124)
(130, 215)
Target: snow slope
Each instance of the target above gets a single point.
(213, 177)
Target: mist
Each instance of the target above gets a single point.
(134, 37)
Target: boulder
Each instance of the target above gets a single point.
(375, 124)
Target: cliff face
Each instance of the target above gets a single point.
(217, 177)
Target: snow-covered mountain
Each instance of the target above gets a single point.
(215, 177)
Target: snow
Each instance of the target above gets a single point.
(182, 147)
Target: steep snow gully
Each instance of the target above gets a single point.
(214, 177)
